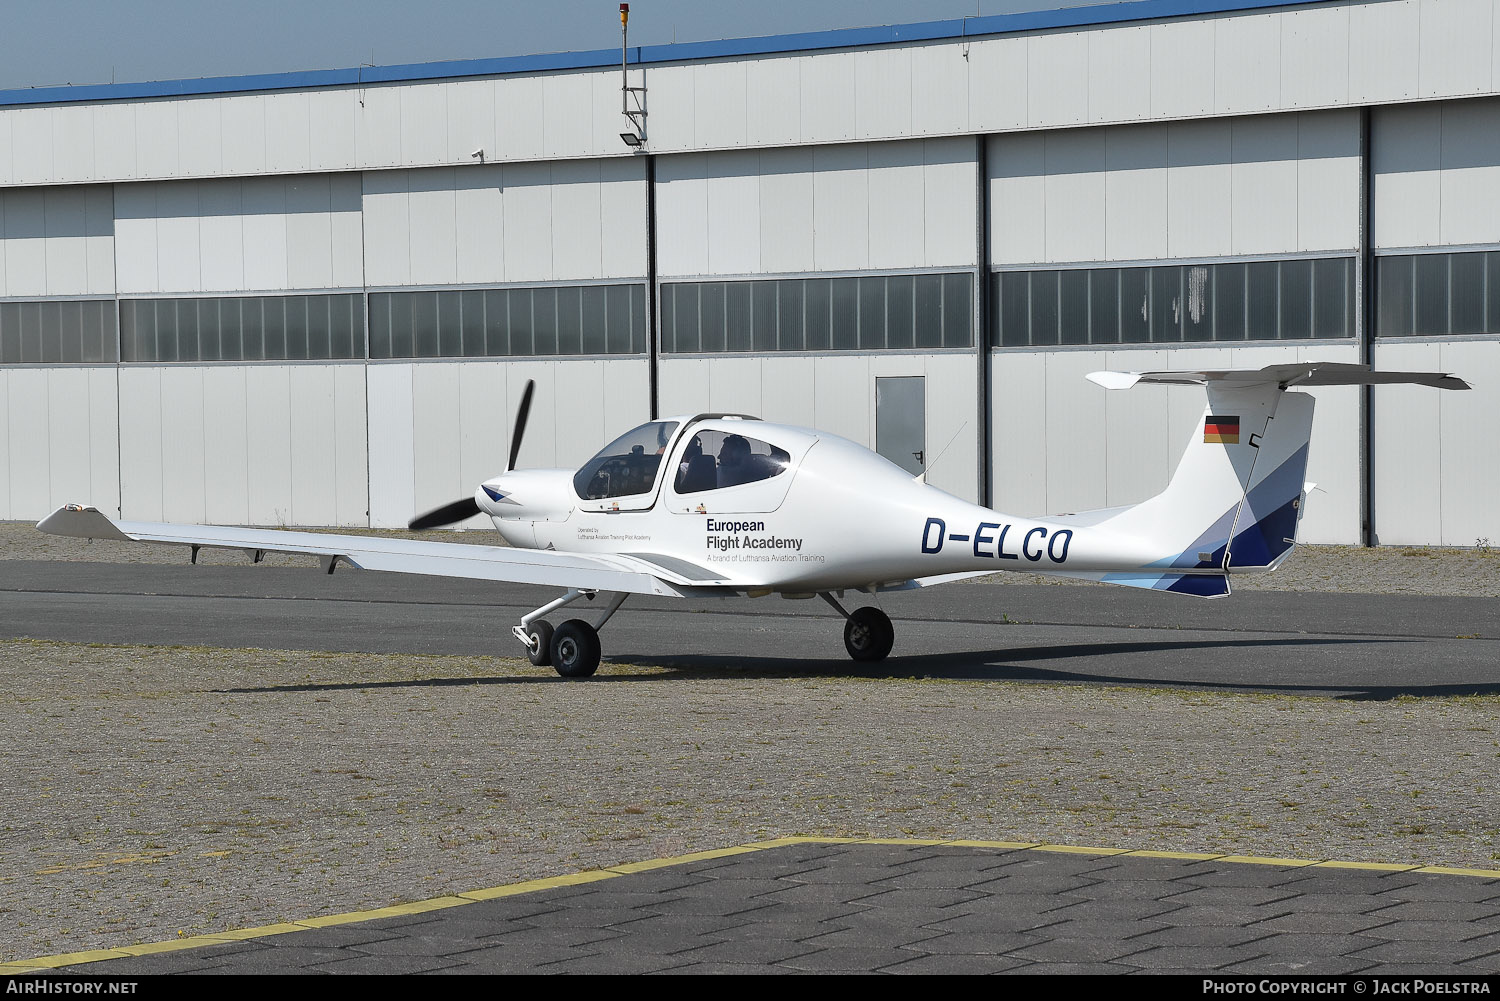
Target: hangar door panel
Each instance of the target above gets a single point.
(901, 421)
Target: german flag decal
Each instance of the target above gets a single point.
(1221, 430)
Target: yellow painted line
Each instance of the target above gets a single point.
(1081, 850)
(73, 958)
(662, 863)
(1013, 845)
(264, 931)
(1185, 856)
(1375, 866)
(1452, 871)
(171, 945)
(595, 875)
(531, 886)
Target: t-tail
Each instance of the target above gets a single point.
(1234, 503)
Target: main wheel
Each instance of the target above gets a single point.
(868, 634)
(540, 651)
(575, 649)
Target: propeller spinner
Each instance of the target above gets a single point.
(457, 511)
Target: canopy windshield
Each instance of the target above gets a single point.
(626, 465)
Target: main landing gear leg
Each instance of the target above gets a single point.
(572, 649)
(868, 633)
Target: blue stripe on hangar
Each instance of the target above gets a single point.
(841, 38)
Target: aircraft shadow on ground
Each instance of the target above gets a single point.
(1010, 664)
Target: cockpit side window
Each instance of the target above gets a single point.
(715, 459)
(627, 465)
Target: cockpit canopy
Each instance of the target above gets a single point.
(720, 458)
(627, 465)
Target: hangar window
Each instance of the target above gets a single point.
(509, 322)
(1435, 294)
(77, 332)
(243, 328)
(859, 313)
(1292, 299)
(715, 459)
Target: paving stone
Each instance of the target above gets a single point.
(619, 898)
(1192, 957)
(1124, 889)
(563, 938)
(586, 917)
(1116, 910)
(969, 944)
(1320, 923)
(292, 956)
(1229, 896)
(1441, 910)
(1247, 874)
(813, 893)
(1308, 946)
(420, 945)
(1224, 916)
(709, 906)
(744, 888)
(872, 937)
(334, 938)
(931, 896)
(757, 952)
(1408, 970)
(1346, 881)
(1489, 962)
(1436, 886)
(1034, 882)
(729, 969)
(1201, 936)
(386, 965)
(936, 878)
(1429, 931)
(1070, 969)
(1318, 966)
(1447, 954)
(1153, 869)
(617, 963)
(846, 959)
(861, 875)
(894, 917)
(957, 965)
(1020, 918)
(519, 958)
(1076, 950)
(1117, 931)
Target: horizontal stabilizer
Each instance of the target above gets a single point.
(1311, 373)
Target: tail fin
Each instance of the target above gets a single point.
(1235, 500)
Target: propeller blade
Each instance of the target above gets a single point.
(521, 412)
(445, 515)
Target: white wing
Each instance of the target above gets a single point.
(635, 573)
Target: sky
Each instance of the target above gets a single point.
(56, 42)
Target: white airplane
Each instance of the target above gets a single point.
(718, 505)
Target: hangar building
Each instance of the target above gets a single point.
(312, 298)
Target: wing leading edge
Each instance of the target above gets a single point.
(628, 574)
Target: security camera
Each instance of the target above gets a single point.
(478, 154)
